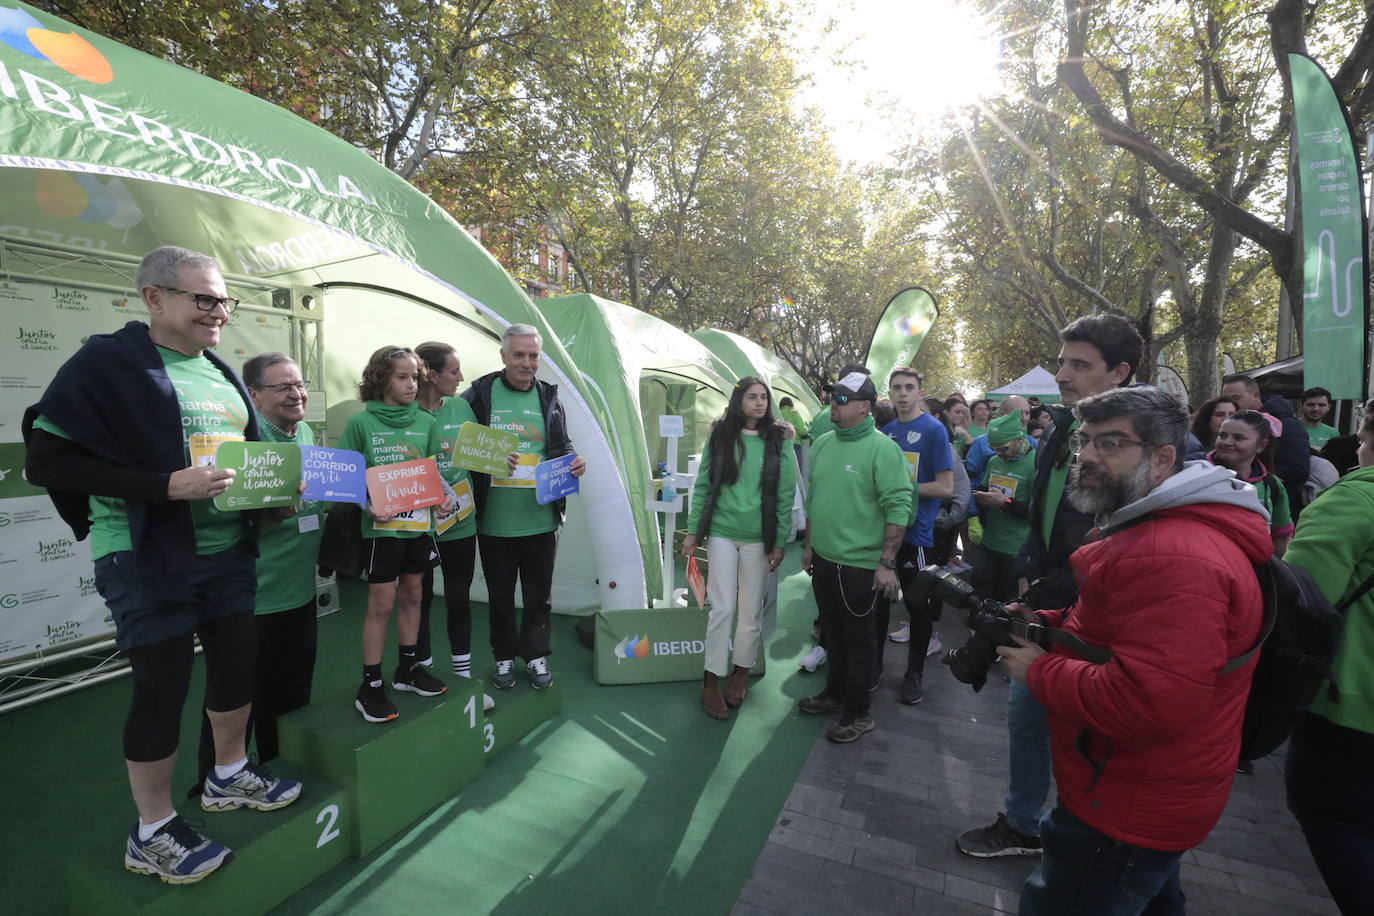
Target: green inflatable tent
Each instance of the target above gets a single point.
(106, 153)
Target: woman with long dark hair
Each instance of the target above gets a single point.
(455, 531)
(1245, 444)
(742, 500)
(1209, 417)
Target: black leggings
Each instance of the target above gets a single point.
(457, 558)
(162, 677)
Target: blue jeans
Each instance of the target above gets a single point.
(1329, 793)
(1084, 871)
(1028, 732)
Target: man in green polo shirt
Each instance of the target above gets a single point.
(288, 549)
(1316, 405)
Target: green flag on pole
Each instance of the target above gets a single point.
(1335, 269)
(905, 321)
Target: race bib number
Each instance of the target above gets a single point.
(461, 510)
(414, 520)
(523, 476)
(203, 446)
(1003, 484)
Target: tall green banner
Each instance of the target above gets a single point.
(1335, 241)
(904, 324)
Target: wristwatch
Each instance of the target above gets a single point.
(889, 562)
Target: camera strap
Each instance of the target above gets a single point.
(1042, 635)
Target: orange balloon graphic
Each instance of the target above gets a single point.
(60, 196)
(72, 53)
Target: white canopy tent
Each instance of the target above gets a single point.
(1037, 383)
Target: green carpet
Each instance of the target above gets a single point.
(632, 799)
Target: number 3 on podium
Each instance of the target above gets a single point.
(488, 733)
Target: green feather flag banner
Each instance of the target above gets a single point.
(906, 320)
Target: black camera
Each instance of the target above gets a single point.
(992, 625)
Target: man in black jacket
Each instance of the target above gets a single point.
(517, 537)
(124, 439)
(1098, 353)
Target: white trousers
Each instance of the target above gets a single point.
(738, 577)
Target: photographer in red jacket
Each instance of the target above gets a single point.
(1144, 745)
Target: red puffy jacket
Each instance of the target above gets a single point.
(1173, 599)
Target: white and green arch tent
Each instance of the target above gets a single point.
(1037, 383)
(106, 153)
(638, 367)
(744, 357)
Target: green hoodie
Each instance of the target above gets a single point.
(858, 485)
(1335, 543)
(387, 434)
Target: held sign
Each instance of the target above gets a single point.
(483, 449)
(553, 479)
(334, 474)
(404, 486)
(269, 474)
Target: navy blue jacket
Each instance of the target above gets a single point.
(116, 402)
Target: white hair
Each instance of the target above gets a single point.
(521, 330)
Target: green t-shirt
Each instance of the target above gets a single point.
(211, 411)
(1002, 531)
(448, 419)
(288, 550)
(369, 432)
(738, 516)
(510, 510)
(1320, 434)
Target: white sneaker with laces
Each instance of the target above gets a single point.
(901, 634)
(814, 659)
(935, 647)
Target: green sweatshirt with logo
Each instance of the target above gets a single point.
(388, 434)
(859, 484)
(1335, 543)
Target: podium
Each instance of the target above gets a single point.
(276, 853)
(363, 784)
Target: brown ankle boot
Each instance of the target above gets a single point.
(710, 697)
(738, 686)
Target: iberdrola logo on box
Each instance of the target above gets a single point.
(632, 647)
(67, 50)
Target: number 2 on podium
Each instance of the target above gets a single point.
(488, 733)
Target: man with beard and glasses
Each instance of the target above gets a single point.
(1145, 743)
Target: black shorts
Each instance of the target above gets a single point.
(147, 612)
(387, 559)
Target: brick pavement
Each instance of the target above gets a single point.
(869, 827)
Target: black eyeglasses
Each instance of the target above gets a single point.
(205, 302)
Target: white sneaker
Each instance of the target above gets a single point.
(488, 704)
(814, 659)
(901, 634)
(934, 648)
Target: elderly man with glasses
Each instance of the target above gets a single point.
(124, 439)
(1144, 743)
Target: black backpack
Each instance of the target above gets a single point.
(1297, 646)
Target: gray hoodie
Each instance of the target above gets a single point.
(1199, 482)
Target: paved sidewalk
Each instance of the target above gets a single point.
(870, 827)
